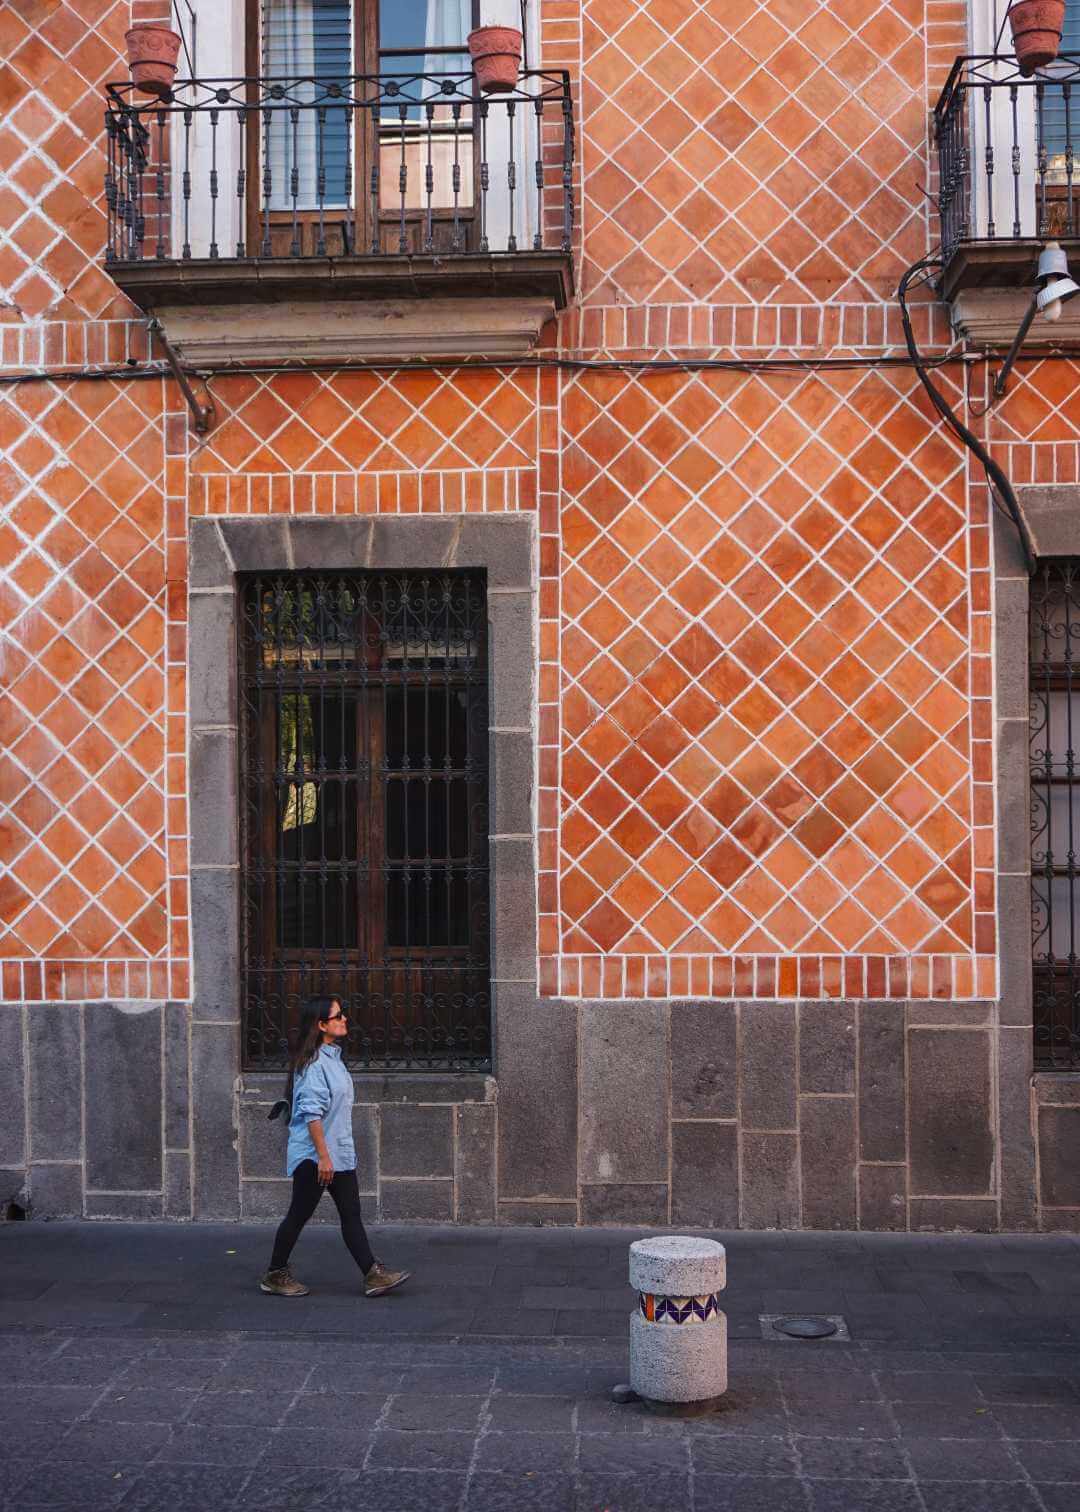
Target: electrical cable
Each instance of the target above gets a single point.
(1001, 490)
(464, 364)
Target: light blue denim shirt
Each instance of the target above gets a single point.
(324, 1089)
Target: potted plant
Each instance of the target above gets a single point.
(1036, 32)
(152, 53)
(496, 56)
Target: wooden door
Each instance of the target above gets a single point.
(353, 145)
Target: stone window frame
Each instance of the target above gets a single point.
(1052, 515)
(1028, 1099)
(220, 547)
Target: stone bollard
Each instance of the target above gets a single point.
(678, 1335)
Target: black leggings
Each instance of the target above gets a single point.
(306, 1192)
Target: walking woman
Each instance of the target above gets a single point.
(321, 1153)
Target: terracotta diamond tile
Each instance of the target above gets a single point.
(808, 699)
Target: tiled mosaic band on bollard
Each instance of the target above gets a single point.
(678, 1281)
(678, 1309)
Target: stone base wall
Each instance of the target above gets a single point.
(1057, 1111)
(824, 1114)
(820, 1115)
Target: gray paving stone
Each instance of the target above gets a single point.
(421, 1451)
(597, 1415)
(970, 1420)
(183, 1487)
(863, 1496)
(291, 1490)
(354, 1379)
(980, 1497)
(577, 1324)
(42, 1403)
(397, 1491)
(839, 1458)
(193, 1373)
(1028, 1389)
(528, 1378)
(614, 1454)
(13, 1476)
(348, 1409)
(741, 1493)
(531, 1321)
(631, 1493)
(929, 1386)
(81, 1486)
(842, 1420)
(805, 1391)
(255, 1409)
(284, 1376)
(1057, 1498)
(1038, 1422)
(531, 1414)
(525, 1492)
(346, 1447)
(955, 1459)
(204, 1444)
(1050, 1461)
(137, 1405)
(748, 1407)
(527, 1453)
(111, 1443)
(744, 1454)
(73, 1370)
(453, 1412)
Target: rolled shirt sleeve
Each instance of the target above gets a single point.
(311, 1095)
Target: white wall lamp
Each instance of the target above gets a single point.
(1053, 287)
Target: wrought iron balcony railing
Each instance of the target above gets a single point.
(383, 166)
(1008, 153)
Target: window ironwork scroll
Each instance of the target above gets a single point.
(1055, 812)
(364, 774)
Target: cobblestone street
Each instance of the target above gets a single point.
(141, 1370)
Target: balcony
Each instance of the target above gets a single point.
(1008, 180)
(388, 214)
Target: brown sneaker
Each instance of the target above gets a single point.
(379, 1280)
(282, 1283)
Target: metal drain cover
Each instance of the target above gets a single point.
(805, 1327)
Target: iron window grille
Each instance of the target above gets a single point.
(364, 813)
(1055, 812)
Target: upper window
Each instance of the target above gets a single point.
(1058, 107)
(364, 770)
(1055, 811)
(404, 159)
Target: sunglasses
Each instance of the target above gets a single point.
(333, 1016)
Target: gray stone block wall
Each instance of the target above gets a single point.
(425, 1149)
(826, 1115)
(94, 1102)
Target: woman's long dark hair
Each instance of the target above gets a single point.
(315, 1011)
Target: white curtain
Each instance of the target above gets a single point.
(305, 40)
(449, 22)
(499, 226)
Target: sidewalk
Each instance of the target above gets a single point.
(141, 1370)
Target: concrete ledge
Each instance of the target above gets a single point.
(1052, 514)
(410, 1087)
(1057, 1089)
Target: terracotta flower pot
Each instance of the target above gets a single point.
(496, 55)
(152, 53)
(1036, 32)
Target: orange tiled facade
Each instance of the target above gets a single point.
(764, 732)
